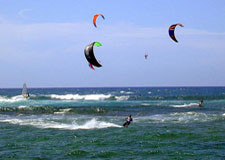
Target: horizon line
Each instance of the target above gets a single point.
(117, 87)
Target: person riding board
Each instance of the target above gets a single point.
(201, 103)
(128, 121)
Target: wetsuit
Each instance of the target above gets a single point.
(127, 123)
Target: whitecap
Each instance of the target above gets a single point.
(145, 104)
(63, 111)
(122, 98)
(49, 123)
(179, 117)
(23, 107)
(125, 92)
(186, 105)
(12, 99)
(80, 97)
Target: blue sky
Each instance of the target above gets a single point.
(42, 43)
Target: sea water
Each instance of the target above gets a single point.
(86, 123)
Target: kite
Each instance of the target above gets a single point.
(89, 54)
(172, 29)
(95, 18)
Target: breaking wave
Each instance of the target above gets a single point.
(4, 99)
(186, 105)
(183, 117)
(80, 97)
(51, 123)
(63, 111)
(125, 92)
(122, 98)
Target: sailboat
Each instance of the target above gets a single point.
(25, 93)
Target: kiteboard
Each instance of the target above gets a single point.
(126, 124)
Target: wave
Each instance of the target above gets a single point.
(145, 104)
(63, 111)
(126, 92)
(149, 92)
(122, 98)
(186, 105)
(194, 116)
(13, 99)
(5, 99)
(109, 96)
(183, 117)
(24, 107)
(51, 110)
(80, 97)
(51, 123)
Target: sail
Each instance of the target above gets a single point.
(24, 91)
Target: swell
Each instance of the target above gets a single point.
(101, 97)
(52, 110)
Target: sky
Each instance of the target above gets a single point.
(42, 43)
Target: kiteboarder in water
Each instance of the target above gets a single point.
(128, 121)
(201, 103)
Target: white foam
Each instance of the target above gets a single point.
(63, 111)
(145, 104)
(124, 92)
(149, 92)
(50, 123)
(224, 114)
(186, 105)
(80, 97)
(122, 98)
(193, 116)
(183, 117)
(96, 124)
(23, 107)
(12, 99)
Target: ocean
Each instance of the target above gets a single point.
(86, 123)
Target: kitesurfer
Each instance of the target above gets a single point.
(128, 121)
(201, 103)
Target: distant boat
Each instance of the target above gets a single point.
(25, 93)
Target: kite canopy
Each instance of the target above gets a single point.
(95, 18)
(89, 54)
(172, 29)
